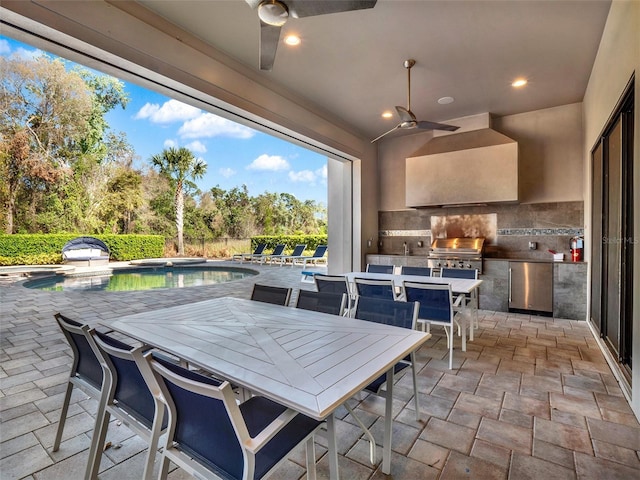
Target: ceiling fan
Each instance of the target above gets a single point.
(274, 14)
(408, 120)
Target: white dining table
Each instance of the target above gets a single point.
(308, 361)
(458, 286)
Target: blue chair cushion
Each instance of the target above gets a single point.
(205, 431)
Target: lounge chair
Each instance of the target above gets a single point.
(318, 256)
(247, 256)
(282, 259)
(266, 257)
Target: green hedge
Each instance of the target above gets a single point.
(312, 241)
(47, 249)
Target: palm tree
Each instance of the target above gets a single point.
(179, 165)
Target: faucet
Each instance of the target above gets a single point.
(406, 249)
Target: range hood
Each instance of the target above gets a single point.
(475, 167)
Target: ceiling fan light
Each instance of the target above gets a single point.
(273, 12)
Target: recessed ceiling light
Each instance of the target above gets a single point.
(387, 114)
(292, 40)
(445, 100)
(520, 82)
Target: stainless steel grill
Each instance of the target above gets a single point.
(459, 252)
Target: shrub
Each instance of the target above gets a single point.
(312, 241)
(47, 249)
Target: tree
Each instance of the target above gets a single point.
(54, 143)
(43, 111)
(179, 165)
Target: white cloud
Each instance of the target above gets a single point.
(170, 111)
(308, 176)
(302, 176)
(269, 162)
(169, 143)
(4, 47)
(209, 125)
(197, 146)
(227, 172)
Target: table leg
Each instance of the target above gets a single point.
(388, 425)
(334, 473)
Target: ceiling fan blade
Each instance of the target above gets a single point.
(405, 115)
(426, 125)
(269, 37)
(310, 8)
(385, 133)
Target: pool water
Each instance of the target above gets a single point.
(124, 280)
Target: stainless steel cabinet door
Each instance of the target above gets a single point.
(531, 286)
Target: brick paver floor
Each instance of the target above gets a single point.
(532, 397)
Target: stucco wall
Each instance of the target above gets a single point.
(549, 153)
(550, 149)
(618, 58)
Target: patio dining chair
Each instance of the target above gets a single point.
(373, 268)
(331, 283)
(470, 298)
(367, 287)
(335, 284)
(420, 271)
(86, 370)
(270, 294)
(398, 314)
(127, 398)
(211, 436)
(333, 303)
(436, 307)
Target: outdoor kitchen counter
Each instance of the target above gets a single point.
(569, 286)
(569, 282)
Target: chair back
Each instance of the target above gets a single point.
(325, 302)
(421, 271)
(279, 249)
(259, 248)
(320, 251)
(459, 273)
(210, 437)
(388, 312)
(436, 300)
(269, 294)
(366, 287)
(209, 428)
(331, 283)
(86, 365)
(373, 268)
(297, 251)
(129, 388)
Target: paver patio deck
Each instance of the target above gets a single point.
(532, 397)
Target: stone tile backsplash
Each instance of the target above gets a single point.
(550, 225)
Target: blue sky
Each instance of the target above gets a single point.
(234, 154)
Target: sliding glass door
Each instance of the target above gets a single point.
(612, 233)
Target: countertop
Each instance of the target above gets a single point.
(495, 259)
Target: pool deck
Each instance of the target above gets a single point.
(532, 397)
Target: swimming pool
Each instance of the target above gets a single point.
(147, 278)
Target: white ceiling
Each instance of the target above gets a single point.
(351, 64)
